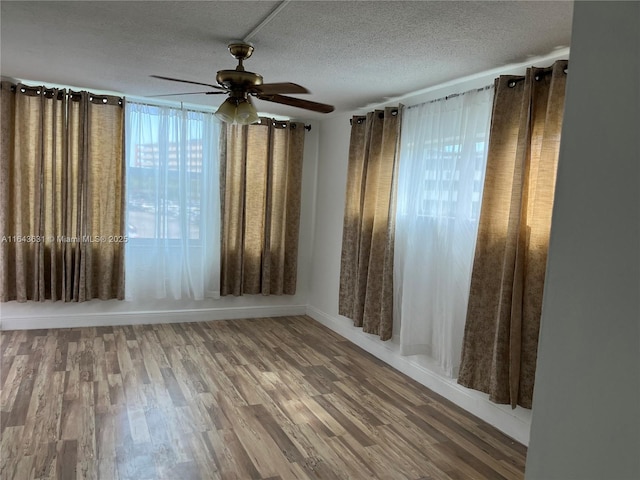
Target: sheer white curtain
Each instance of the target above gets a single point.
(441, 173)
(173, 203)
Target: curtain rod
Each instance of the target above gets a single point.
(543, 72)
(361, 118)
(293, 125)
(276, 121)
(453, 95)
(60, 92)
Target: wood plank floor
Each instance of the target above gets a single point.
(282, 398)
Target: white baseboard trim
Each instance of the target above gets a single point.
(101, 319)
(514, 423)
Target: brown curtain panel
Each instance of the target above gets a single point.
(261, 181)
(366, 269)
(61, 195)
(503, 319)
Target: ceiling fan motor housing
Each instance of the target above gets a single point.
(234, 79)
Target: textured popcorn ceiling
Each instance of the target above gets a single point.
(347, 53)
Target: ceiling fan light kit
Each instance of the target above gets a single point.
(240, 111)
(240, 84)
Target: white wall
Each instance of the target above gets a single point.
(323, 298)
(330, 197)
(586, 406)
(15, 315)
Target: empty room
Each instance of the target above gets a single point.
(320, 240)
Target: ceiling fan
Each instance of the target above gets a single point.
(240, 85)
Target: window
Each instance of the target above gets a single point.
(165, 182)
(173, 210)
(443, 155)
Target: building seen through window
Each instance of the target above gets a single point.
(165, 179)
(440, 195)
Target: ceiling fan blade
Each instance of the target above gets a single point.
(296, 102)
(186, 93)
(188, 81)
(274, 88)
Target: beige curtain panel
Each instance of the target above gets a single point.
(503, 320)
(261, 181)
(61, 195)
(366, 270)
